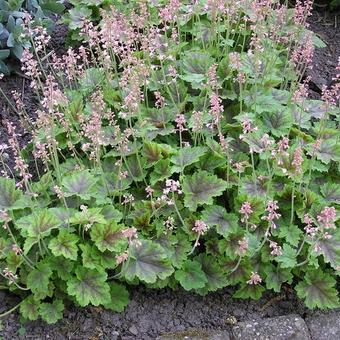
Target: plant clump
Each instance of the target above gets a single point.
(177, 147)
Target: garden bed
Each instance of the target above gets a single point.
(152, 313)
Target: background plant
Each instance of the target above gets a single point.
(177, 147)
(12, 17)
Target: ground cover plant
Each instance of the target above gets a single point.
(176, 148)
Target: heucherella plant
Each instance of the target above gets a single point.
(177, 147)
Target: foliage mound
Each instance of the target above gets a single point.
(176, 148)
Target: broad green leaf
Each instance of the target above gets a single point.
(330, 249)
(191, 275)
(63, 267)
(278, 122)
(328, 150)
(89, 286)
(161, 171)
(29, 308)
(39, 224)
(276, 276)
(38, 279)
(88, 216)
(148, 261)
(152, 152)
(318, 290)
(291, 233)
(9, 195)
(186, 156)
(65, 244)
(247, 291)
(331, 192)
(180, 251)
(52, 312)
(288, 257)
(110, 213)
(91, 256)
(200, 188)
(134, 166)
(119, 298)
(80, 183)
(213, 272)
(108, 237)
(13, 261)
(225, 223)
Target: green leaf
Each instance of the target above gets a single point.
(180, 251)
(29, 308)
(328, 150)
(318, 290)
(13, 261)
(225, 223)
(186, 156)
(291, 233)
(191, 275)
(213, 272)
(331, 192)
(288, 257)
(89, 286)
(63, 267)
(161, 171)
(152, 152)
(147, 261)
(9, 195)
(65, 244)
(52, 312)
(88, 216)
(200, 188)
(276, 276)
(278, 122)
(38, 279)
(330, 249)
(91, 256)
(80, 183)
(119, 298)
(39, 224)
(110, 213)
(108, 237)
(247, 291)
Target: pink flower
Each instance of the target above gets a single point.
(327, 217)
(298, 160)
(276, 250)
(160, 100)
(180, 122)
(255, 279)
(200, 227)
(272, 215)
(149, 191)
(243, 246)
(172, 186)
(122, 257)
(130, 234)
(246, 211)
(197, 121)
(216, 108)
(16, 249)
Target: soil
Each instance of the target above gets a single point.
(151, 313)
(154, 312)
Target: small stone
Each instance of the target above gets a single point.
(290, 327)
(325, 326)
(133, 330)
